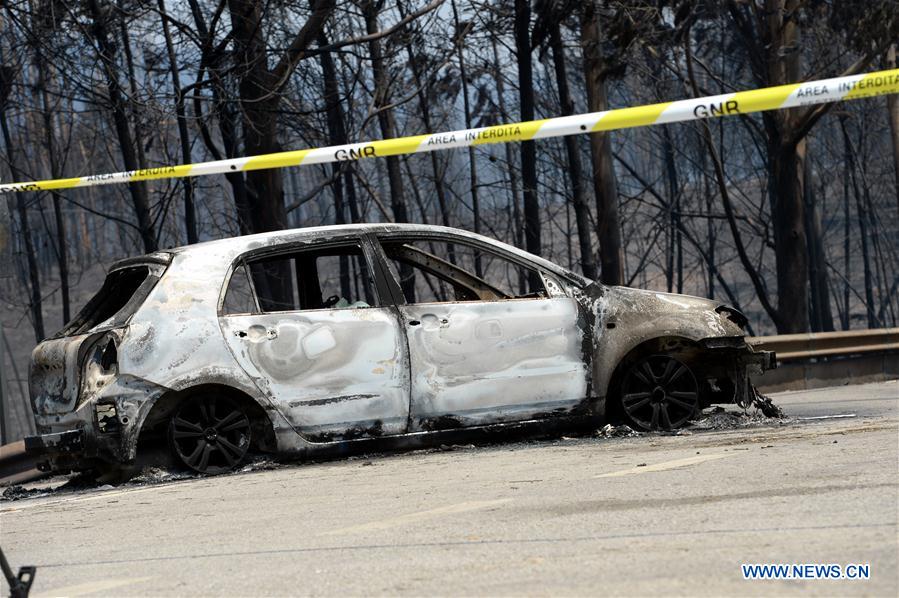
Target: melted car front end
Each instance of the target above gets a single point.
(634, 327)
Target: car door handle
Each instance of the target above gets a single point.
(414, 322)
(257, 333)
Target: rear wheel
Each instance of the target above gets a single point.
(659, 392)
(210, 434)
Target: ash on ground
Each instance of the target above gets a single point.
(159, 475)
(622, 431)
(719, 418)
(762, 412)
(261, 463)
(11, 493)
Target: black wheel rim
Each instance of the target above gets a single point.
(659, 393)
(210, 434)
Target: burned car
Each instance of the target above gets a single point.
(312, 340)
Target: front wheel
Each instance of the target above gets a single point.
(210, 434)
(659, 392)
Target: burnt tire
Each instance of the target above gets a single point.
(210, 434)
(659, 392)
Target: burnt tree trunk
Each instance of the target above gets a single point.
(861, 214)
(336, 136)
(213, 63)
(472, 158)
(847, 245)
(425, 107)
(259, 88)
(61, 245)
(190, 217)
(893, 111)
(821, 319)
(755, 276)
(710, 236)
(385, 115)
(771, 34)
(604, 183)
(786, 166)
(231, 144)
(575, 169)
(259, 100)
(786, 163)
(514, 204)
(118, 108)
(134, 90)
(387, 124)
(34, 281)
(528, 150)
(674, 270)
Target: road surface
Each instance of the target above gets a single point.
(624, 516)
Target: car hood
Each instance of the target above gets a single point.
(640, 298)
(671, 313)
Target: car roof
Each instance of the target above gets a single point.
(242, 244)
(246, 242)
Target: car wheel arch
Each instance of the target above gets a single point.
(665, 344)
(154, 424)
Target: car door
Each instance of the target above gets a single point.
(309, 326)
(482, 349)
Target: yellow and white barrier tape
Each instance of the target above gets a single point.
(728, 104)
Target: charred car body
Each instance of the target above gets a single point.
(314, 339)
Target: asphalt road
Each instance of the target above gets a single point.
(625, 516)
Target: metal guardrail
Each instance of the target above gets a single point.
(802, 347)
(16, 466)
(795, 353)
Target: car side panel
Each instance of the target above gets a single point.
(334, 374)
(477, 363)
(174, 339)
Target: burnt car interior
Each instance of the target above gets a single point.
(326, 278)
(436, 271)
(333, 277)
(116, 293)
